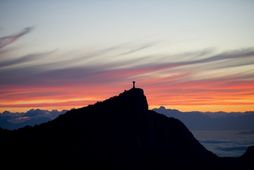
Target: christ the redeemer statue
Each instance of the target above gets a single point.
(133, 84)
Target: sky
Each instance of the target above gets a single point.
(186, 54)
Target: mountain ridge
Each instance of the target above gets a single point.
(118, 133)
(196, 120)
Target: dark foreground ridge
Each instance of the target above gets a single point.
(118, 133)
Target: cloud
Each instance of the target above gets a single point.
(24, 59)
(167, 74)
(247, 132)
(216, 142)
(5, 41)
(233, 148)
(66, 71)
(110, 57)
(137, 49)
(238, 54)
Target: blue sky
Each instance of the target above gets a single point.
(225, 24)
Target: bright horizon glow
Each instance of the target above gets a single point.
(188, 55)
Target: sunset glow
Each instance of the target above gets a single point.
(69, 55)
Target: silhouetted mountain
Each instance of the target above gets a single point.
(11, 121)
(118, 133)
(248, 155)
(195, 120)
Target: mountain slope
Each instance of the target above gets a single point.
(118, 133)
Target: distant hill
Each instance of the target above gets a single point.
(195, 120)
(11, 121)
(212, 120)
(118, 133)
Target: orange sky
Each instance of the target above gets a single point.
(212, 95)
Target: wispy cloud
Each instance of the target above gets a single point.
(24, 59)
(238, 54)
(4, 41)
(60, 72)
(169, 77)
(106, 62)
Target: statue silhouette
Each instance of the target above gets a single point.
(133, 86)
